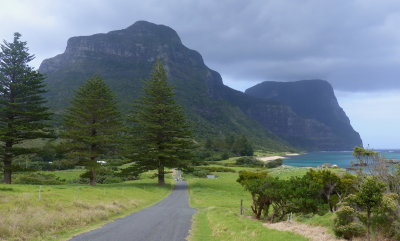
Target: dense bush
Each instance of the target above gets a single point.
(38, 179)
(197, 172)
(297, 195)
(255, 183)
(225, 156)
(350, 231)
(346, 224)
(249, 161)
(204, 171)
(104, 175)
(274, 163)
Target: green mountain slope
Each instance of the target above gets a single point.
(124, 58)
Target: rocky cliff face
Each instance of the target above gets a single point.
(315, 102)
(125, 57)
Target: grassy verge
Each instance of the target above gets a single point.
(218, 202)
(326, 220)
(67, 209)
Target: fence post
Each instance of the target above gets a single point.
(241, 206)
(40, 189)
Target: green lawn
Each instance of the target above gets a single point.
(218, 202)
(64, 210)
(68, 175)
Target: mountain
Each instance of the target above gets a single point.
(311, 100)
(124, 58)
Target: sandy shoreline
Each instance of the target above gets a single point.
(271, 158)
(292, 154)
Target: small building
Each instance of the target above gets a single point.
(210, 176)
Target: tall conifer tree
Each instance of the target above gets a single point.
(22, 108)
(159, 135)
(92, 124)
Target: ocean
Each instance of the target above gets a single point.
(343, 159)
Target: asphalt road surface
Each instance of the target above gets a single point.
(168, 220)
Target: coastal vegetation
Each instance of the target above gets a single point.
(366, 204)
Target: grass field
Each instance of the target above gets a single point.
(68, 175)
(64, 210)
(218, 204)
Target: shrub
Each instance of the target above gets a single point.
(245, 176)
(200, 172)
(387, 219)
(104, 175)
(346, 225)
(344, 215)
(224, 156)
(350, 230)
(249, 162)
(296, 195)
(274, 163)
(38, 179)
(255, 183)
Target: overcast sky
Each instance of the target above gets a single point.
(354, 44)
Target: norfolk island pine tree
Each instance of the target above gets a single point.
(23, 113)
(159, 134)
(92, 124)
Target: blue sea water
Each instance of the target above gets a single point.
(343, 159)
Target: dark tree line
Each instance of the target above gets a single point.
(238, 145)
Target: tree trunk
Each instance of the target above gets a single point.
(259, 212)
(368, 225)
(93, 179)
(161, 180)
(7, 172)
(328, 197)
(7, 163)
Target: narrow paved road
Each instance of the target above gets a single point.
(168, 220)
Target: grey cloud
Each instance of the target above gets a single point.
(354, 44)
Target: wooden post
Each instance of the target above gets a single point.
(77, 193)
(40, 189)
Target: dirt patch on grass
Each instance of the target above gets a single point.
(314, 233)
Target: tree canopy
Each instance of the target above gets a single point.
(92, 124)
